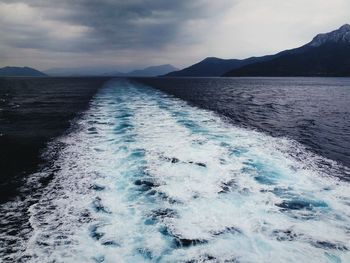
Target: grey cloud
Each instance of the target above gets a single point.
(135, 33)
(112, 25)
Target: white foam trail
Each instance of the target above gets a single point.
(149, 178)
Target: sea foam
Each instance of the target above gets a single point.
(149, 178)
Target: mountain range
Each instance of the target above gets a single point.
(107, 71)
(152, 71)
(214, 67)
(326, 55)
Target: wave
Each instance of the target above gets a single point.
(147, 177)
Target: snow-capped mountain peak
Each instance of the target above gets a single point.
(341, 35)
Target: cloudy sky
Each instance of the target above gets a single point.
(129, 34)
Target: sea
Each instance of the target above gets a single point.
(175, 170)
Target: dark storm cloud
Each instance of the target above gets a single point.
(106, 24)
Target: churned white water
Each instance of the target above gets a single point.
(149, 178)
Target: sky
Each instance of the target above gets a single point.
(129, 34)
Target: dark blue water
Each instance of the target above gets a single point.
(313, 111)
(34, 111)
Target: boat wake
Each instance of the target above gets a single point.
(147, 177)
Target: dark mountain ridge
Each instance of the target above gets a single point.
(20, 72)
(326, 55)
(214, 67)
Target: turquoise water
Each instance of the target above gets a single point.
(148, 178)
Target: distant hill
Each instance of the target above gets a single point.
(108, 71)
(326, 55)
(152, 71)
(214, 67)
(20, 72)
(78, 71)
